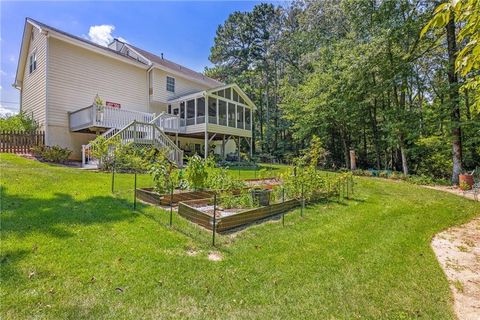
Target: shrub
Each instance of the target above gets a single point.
(52, 154)
(243, 200)
(19, 122)
(196, 172)
(164, 174)
(464, 186)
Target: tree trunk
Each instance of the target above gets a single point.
(454, 105)
(403, 153)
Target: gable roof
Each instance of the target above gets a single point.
(170, 65)
(154, 60)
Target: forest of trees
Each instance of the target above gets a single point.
(360, 75)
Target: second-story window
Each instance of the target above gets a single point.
(170, 84)
(32, 60)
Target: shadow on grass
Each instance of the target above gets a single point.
(23, 215)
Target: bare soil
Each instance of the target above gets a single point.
(458, 251)
(454, 190)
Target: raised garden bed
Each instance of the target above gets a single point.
(201, 213)
(150, 196)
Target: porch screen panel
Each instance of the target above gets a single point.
(182, 114)
(228, 93)
(231, 115)
(248, 120)
(200, 110)
(212, 110)
(222, 113)
(235, 95)
(190, 112)
(240, 117)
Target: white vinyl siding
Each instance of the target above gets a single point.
(183, 86)
(76, 75)
(33, 86)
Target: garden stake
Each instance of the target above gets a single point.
(353, 183)
(135, 192)
(303, 202)
(214, 218)
(283, 201)
(347, 183)
(171, 204)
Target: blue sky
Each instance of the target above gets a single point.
(182, 30)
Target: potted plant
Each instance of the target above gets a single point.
(99, 105)
(466, 179)
(261, 196)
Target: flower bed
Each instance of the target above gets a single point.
(201, 213)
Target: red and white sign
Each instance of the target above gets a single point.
(113, 105)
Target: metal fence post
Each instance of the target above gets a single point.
(113, 175)
(214, 227)
(283, 201)
(303, 200)
(353, 183)
(171, 204)
(135, 192)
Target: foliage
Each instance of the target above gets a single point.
(309, 183)
(164, 173)
(196, 172)
(55, 154)
(19, 122)
(356, 75)
(55, 217)
(244, 200)
(467, 15)
(464, 186)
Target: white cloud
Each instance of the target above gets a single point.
(6, 110)
(101, 34)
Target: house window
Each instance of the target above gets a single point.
(170, 84)
(33, 61)
(169, 109)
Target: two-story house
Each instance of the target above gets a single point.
(59, 75)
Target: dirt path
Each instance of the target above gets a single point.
(458, 251)
(453, 190)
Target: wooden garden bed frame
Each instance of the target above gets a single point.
(244, 217)
(150, 196)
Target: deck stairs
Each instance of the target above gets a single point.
(139, 134)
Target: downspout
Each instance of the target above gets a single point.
(47, 57)
(148, 85)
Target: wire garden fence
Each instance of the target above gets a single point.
(214, 217)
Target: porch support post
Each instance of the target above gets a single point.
(223, 147)
(206, 144)
(238, 148)
(251, 147)
(176, 138)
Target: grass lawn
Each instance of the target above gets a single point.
(71, 249)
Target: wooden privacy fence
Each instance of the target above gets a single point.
(20, 142)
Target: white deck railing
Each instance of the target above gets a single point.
(167, 122)
(106, 117)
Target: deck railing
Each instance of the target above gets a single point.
(167, 122)
(106, 117)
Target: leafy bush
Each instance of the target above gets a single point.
(20, 122)
(464, 186)
(433, 155)
(196, 172)
(52, 154)
(244, 200)
(315, 185)
(164, 174)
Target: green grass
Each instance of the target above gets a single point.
(71, 249)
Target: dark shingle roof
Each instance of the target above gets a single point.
(150, 56)
(176, 67)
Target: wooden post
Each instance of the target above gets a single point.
(238, 149)
(353, 162)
